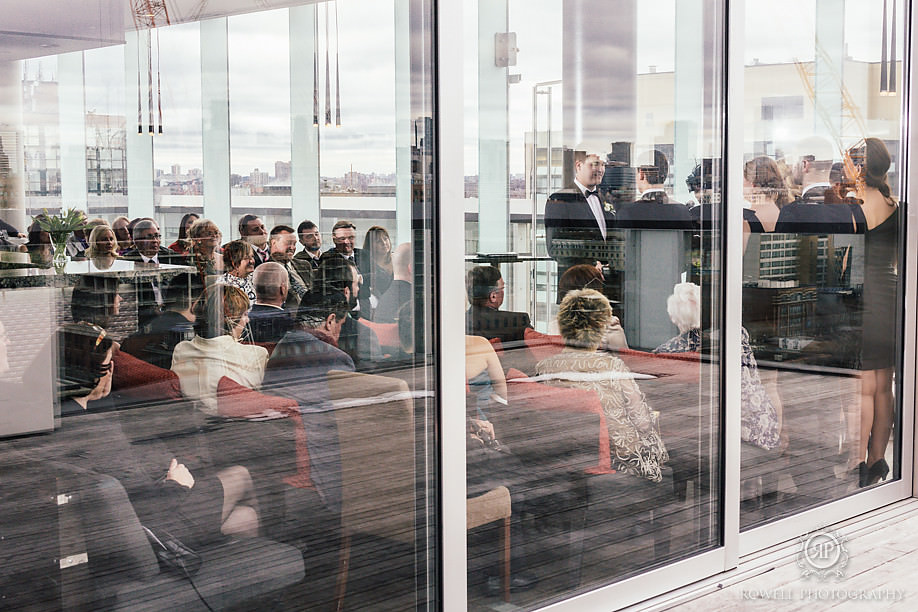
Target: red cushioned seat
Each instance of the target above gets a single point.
(238, 401)
(138, 380)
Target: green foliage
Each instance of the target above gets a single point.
(62, 224)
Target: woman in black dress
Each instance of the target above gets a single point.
(376, 266)
(868, 164)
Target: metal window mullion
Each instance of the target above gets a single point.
(449, 117)
(731, 351)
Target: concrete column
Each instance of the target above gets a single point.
(599, 73)
(139, 145)
(304, 143)
(215, 118)
(12, 188)
(72, 121)
(493, 169)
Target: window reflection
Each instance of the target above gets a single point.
(240, 390)
(820, 284)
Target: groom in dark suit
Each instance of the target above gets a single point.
(576, 222)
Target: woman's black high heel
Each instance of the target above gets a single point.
(863, 474)
(877, 472)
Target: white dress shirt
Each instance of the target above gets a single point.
(595, 207)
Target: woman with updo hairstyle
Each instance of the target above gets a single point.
(634, 434)
(867, 165)
(766, 191)
(215, 350)
(239, 263)
(587, 276)
(761, 408)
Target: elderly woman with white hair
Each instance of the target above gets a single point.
(634, 435)
(761, 410)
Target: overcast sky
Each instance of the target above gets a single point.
(259, 73)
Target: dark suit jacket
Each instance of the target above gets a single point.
(400, 293)
(363, 293)
(361, 343)
(298, 369)
(571, 232)
(505, 325)
(269, 324)
(147, 306)
(653, 212)
(156, 344)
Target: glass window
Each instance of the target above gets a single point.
(593, 215)
(216, 342)
(822, 221)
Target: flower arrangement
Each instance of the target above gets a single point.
(60, 226)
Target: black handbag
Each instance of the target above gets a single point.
(172, 554)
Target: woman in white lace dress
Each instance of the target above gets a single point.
(634, 434)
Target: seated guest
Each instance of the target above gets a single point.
(283, 246)
(77, 242)
(634, 434)
(761, 407)
(400, 291)
(311, 240)
(485, 290)
(197, 509)
(39, 245)
(182, 246)
(268, 320)
(215, 350)
(205, 236)
(585, 276)
(147, 249)
(120, 227)
(335, 273)
(239, 263)
(103, 247)
(298, 369)
(252, 230)
(148, 245)
(158, 341)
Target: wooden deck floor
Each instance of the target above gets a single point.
(883, 558)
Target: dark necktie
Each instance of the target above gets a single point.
(589, 193)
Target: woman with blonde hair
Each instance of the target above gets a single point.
(103, 246)
(215, 350)
(205, 238)
(634, 434)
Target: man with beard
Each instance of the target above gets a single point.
(356, 339)
(252, 230)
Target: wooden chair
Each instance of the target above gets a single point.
(488, 508)
(375, 419)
